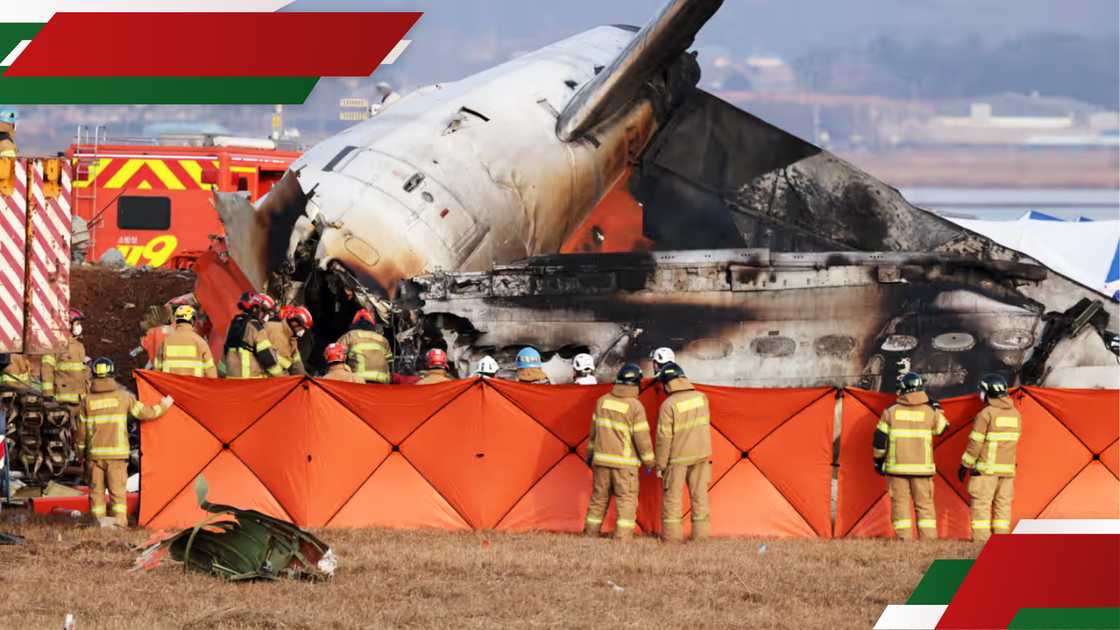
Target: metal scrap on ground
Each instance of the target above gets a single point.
(238, 545)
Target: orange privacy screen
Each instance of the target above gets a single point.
(485, 454)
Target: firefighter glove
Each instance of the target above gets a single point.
(589, 459)
(879, 466)
(962, 472)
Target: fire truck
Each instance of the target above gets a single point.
(152, 199)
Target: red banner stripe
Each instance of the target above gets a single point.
(213, 44)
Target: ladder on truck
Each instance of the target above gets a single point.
(87, 166)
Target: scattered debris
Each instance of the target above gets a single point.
(10, 539)
(238, 545)
(69, 623)
(615, 587)
(762, 549)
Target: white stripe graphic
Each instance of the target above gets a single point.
(16, 52)
(396, 52)
(917, 617)
(1067, 526)
(39, 11)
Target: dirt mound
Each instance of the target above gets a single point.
(115, 302)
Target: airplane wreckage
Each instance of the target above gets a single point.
(761, 259)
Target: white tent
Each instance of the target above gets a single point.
(1085, 251)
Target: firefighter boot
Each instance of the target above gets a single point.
(600, 497)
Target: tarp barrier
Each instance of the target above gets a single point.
(1067, 460)
(489, 454)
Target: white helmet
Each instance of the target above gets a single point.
(487, 366)
(661, 356)
(583, 363)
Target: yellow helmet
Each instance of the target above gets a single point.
(184, 312)
(103, 368)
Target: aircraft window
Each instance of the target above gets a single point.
(144, 213)
(571, 84)
(338, 158)
(413, 182)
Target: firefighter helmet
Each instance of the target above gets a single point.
(184, 313)
(528, 358)
(630, 374)
(299, 314)
(583, 364)
(436, 358)
(363, 315)
(335, 353)
(910, 382)
(487, 366)
(8, 114)
(264, 302)
(76, 315)
(993, 386)
(103, 368)
(245, 302)
(669, 372)
(661, 356)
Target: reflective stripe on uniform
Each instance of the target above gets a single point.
(976, 436)
(120, 508)
(907, 415)
(968, 460)
(368, 345)
(984, 524)
(883, 427)
(97, 510)
(620, 460)
(902, 523)
(670, 521)
(108, 451)
(625, 523)
(911, 469)
(1000, 523)
(1003, 437)
(617, 425)
(180, 352)
(616, 405)
(116, 418)
(71, 366)
(68, 398)
(695, 402)
(1007, 421)
(373, 375)
(995, 469)
(927, 523)
(49, 360)
(594, 521)
(691, 424)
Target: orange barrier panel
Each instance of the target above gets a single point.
(1067, 464)
(218, 284)
(469, 454)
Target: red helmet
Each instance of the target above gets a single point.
(335, 353)
(363, 315)
(437, 358)
(76, 315)
(298, 313)
(264, 302)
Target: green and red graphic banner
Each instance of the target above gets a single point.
(192, 58)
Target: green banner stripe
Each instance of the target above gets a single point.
(156, 90)
(1067, 619)
(14, 33)
(940, 582)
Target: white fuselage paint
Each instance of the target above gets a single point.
(492, 191)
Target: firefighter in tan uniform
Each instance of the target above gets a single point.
(619, 444)
(369, 352)
(903, 451)
(17, 372)
(183, 351)
(337, 370)
(684, 444)
(280, 335)
(990, 455)
(103, 439)
(8, 148)
(248, 353)
(298, 321)
(436, 360)
(65, 375)
(529, 368)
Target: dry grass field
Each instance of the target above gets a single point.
(391, 579)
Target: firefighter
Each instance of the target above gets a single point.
(300, 322)
(103, 439)
(368, 350)
(337, 370)
(17, 371)
(65, 375)
(183, 351)
(529, 368)
(248, 353)
(583, 370)
(903, 451)
(487, 367)
(280, 335)
(8, 117)
(662, 357)
(619, 444)
(437, 371)
(684, 443)
(990, 456)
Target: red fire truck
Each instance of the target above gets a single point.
(152, 200)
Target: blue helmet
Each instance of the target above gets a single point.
(8, 114)
(528, 358)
